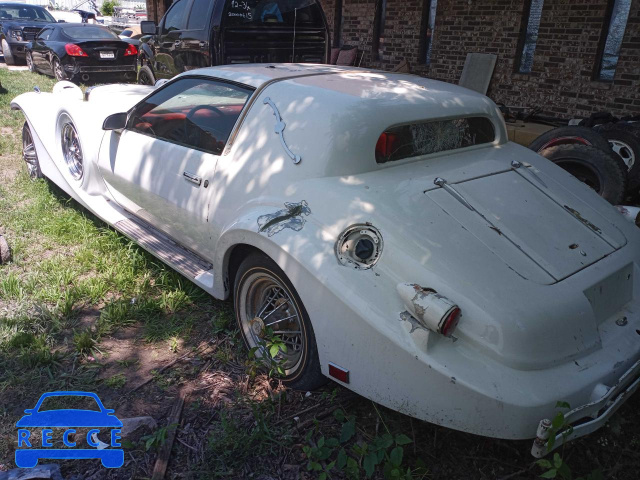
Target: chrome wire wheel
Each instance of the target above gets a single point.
(624, 151)
(72, 151)
(268, 311)
(29, 153)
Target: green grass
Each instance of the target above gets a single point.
(65, 262)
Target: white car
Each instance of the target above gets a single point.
(380, 225)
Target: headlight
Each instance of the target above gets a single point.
(359, 246)
(17, 34)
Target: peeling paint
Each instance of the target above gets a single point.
(292, 216)
(407, 317)
(579, 216)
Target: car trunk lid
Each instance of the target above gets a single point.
(544, 235)
(101, 50)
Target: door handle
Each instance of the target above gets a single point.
(192, 178)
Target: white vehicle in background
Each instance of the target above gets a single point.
(379, 224)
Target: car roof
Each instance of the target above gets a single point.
(17, 4)
(258, 74)
(360, 85)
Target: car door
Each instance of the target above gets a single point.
(168, 61)
(39, 49)
(195, 40)
(160, 166)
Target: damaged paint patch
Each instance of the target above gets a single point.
(407, 317)
(579, 216)
(292, 216)
(430, 309)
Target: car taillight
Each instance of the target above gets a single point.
(74, 50)
(450, 323)
(131, 50)
(386, 144)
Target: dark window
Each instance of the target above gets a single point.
(611, 40)
(426, 30)
(126, 33)
(44, 34)
(337, 24)
(89, 33)
(424, 138)
(15, 11)
(200, 14)
(175, 17)
(193, 112)
(379, 18)
(277, 13)
(529, 35)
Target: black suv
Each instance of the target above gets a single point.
(201, 33)
(19, 24)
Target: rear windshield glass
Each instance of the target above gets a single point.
(278, 13)
(89, 33)
(423, 138)
(25, 12)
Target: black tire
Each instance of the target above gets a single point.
(9, 59)
(58, 71)
(258, 268)
(30, 64)
(146, 76)
(591, 166)
(569, 135)
(29, 153)
(627, 146)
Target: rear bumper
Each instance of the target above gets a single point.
(79, 69)
(587, 418)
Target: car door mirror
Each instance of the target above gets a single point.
(62, 21)
(148, 27)
(117, 121)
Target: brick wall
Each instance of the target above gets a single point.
(560, 82)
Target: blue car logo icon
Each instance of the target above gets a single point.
(27, 455)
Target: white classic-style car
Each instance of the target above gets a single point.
(380, 224)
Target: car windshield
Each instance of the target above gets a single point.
(89, 33)
(75, 402)
(10, 11)
(277, 13)
(126, 33)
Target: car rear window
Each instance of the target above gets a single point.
(89, 33)
(277, 13)
(424, 138)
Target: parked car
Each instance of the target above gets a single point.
(81, 51)
(19, 24)
(205, 32)
(380, 226)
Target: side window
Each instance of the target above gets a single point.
(193, 112)
(175, 17)
(45, 34)
(200, 14)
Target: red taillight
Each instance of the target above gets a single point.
(131, 50)
(74, 50)
(386, 144)
(450, 323)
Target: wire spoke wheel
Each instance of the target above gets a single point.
(72, 151)
(269, 314)
(29, 153)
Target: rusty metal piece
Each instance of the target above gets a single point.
(5, 251)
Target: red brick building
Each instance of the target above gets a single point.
(563, 72)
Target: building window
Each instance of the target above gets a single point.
(379, 18)
(426, 30)
(611, 39)
(529, 36)
(337, 24)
